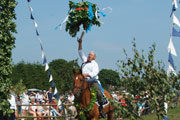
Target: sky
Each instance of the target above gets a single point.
(146, 20)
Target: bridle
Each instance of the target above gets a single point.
(79, 87)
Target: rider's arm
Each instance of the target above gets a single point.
(81, 54)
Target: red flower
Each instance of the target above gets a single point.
(124, 104)
(137, 96)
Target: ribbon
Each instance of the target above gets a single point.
(102, 89)
(82, 8)
(90, 17)
(90, 12)
(101, 12)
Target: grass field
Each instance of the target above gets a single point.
(173, 114)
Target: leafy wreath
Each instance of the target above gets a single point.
(89, 107)
(82, 13)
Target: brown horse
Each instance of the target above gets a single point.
(83, 95)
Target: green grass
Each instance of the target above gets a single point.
(173, 114)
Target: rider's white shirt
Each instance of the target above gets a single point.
(90, 68)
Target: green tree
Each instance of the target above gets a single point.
(7, 40)
(140, 74)
(109, 78)
(19, 88)
(63, 73)
(32, 74)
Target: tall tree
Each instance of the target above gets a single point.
(109, 78)
(32, 75)
(7, 41)
(62, 71)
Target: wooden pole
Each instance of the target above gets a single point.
(82, 34)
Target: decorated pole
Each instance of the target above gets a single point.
(82, 34)
(83, 13)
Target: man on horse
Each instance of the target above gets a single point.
(90, 70)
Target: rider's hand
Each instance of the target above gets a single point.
(79, 41)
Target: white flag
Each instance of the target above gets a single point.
(43, 54)
(55, 91)
(30, 8)
(59, 102)
(46, 67)
(174, 2)
(170, 70)
(51, 78)
(171, 47)
(175, 20)
(35, 24)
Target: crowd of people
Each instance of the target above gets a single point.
(44, 103)
(142, 102)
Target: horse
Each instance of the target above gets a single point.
(83, 95)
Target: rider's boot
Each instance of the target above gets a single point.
(101, 110)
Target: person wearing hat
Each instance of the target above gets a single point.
(54, 108)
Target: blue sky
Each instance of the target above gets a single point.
(146, 20)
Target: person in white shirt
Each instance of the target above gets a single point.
(39, 96)
(71, 102)
(12, 101)
(25, 101)
(90, 70)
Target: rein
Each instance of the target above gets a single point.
(80, 87)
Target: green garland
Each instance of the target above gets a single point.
(89, 107)
(80, 17)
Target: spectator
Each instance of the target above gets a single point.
(54, 109)
(39, 109)
(25, 101)
(32, 109)
(32, 95)
(12, 102)
(45, 108)
(39, 96)
(19, 101)
(44, 95)
(71, 102)
(49, 94)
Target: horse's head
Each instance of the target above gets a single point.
(79, 83)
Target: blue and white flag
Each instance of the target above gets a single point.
(52, 84)
(46, 67)
(175, 33)
(56, 94)
(171, 47)
(55, 91)
(170, 60)
(175, 20)
(174, 2)
(170, 70)
(51, 78)
(173, 9)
